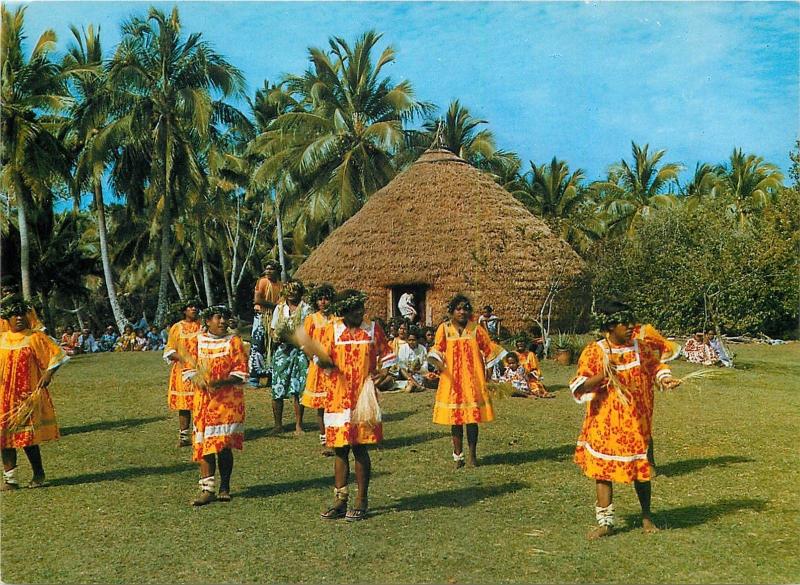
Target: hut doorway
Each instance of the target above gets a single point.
(418, 290)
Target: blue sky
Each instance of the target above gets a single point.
(578, 80)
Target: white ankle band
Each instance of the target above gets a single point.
(459, 457)
(605, 516)
(10, 476)
(207, 484)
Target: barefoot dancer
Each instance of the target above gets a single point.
(180, 392)
(463, 351)
(289, 363)
(318, 381)
(358, 349)
(218, 375)
(28, 360)
(613, 443)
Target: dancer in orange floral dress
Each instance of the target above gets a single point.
(180, 342)
(615, 380)
(218, 404)
(28, 360)
(318, 381)
(462, 351)
(358, 350)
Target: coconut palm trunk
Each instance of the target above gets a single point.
(279, 227)
(24, 242)
(206, 271)
(116, 309)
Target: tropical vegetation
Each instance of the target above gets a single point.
(191, 184)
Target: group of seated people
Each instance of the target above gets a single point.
(412, 373)
(132, 339)
(706, 348)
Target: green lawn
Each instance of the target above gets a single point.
(117, 510)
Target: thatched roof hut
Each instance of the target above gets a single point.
(439, 228)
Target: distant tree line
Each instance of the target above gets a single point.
(205, 192)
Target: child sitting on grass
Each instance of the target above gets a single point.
(515, 374)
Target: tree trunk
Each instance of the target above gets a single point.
(229, 292)
(175, 283)
(24, 240)
(281, 257)
(116, 309)
(166, 258)
(206, 272)
(78, 315)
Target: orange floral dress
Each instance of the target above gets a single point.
(462, 397)
(318, 381)
(529, 361)
(180, 340)
(357, 354)
(612, 445)
(24, 357)
(218, 413)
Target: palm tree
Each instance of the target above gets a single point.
(90, 118)
(30, 155)
(632, 191)
(751, 183)
(168, 80)
(338, 142)
(558, 196)
(704, 183)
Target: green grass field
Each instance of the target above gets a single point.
(118, 507)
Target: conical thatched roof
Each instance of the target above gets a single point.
(447, 225)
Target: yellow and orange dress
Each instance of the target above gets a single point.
(357, 354)
(180, 340)
(612, 445)
(218, 413)
(462, 397)
(24, 357)
(528, 360)
(318, 381)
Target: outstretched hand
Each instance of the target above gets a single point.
(670, 383)
(45, 380)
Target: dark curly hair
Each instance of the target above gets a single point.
(457, 300)
(323, 291)
(346, 301)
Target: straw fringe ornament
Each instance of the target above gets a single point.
(614, 382)
(693, 378)
(500, 390)
(19, 417)
(188, 359)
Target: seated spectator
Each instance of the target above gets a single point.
(412, 362)
(154, 340)
(725, 358)
(87, 342)
(529, 361)
(698, 350)
(108, 339)
(490, 322)
(164, 336)
(69, 341)
(400, 339)
(140, 341)
(430, 337)
(514, 374)
(127, 340)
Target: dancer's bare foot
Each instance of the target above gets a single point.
(298, 431)
(600, 532)
(472, 461)
(649, 527)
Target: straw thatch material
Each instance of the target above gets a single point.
(447, 225)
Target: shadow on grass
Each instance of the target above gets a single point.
(123, 474)
(110, 425)
(689, 465)
(456, 498)
(517, 457)
(397, 442)
(690, 516)
(556, 387)
(266, 490)
(396, 416)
